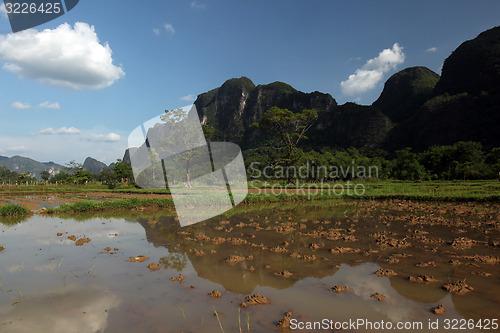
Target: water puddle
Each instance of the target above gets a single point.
(85, 274)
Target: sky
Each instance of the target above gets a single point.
(78, 85)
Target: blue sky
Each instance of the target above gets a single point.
(68, 92)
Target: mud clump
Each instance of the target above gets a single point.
(484, 259)
(379, 297)
(139, 258)
(285, 274)
(422, 279)
(285, 321)
(309, 257)
(458, 287)
(254, 299)
(215, 294)
(59, 234)
(462, 242)
(392, 260)
(72, 237)
(313, 246)
(383, 241)
(234, 259)
(154, 267)
(179, 278)
(107, 249)
(342, 250)
(279, 249)
(385, 272)
(340, 289)
(2, 248)
(426, 264)
(439, 310)
(82, 241)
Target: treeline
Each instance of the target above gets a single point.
(73, 174)
(463, 160)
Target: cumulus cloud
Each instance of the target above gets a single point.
(372, 72)
(111, 137)
(20, 106)
(48, 105)
(188, 98)
(431, 49)
(68, 57)
(169, 28)
(62, 130)
(196, 5)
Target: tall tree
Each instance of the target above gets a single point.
(289, 126)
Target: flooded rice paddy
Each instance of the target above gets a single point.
(394, 261)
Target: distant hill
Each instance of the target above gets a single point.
(21, 164)
(94, 166)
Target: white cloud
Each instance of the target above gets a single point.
(16, 149)
(65, 57)
(48, 105)
(62, 130)
(188, 98)
(372, 72)
(169, 28)
(156, 31)
(21, 106)
(196, 5)
(111, 137)
(431, 49)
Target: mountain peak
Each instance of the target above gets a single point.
(405, 91)
(473, 67)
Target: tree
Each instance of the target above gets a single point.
(82, 177)
(289, 126)
(187, 140)
(73, 167)
(45, 175)
(406, 166)
(123, 171)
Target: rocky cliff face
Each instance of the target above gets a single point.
(238, 103)
(474, 67)
(92, 165)
(465, 103)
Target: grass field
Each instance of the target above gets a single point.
(459, 191)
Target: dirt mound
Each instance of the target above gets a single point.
(383, 272)
(285, 322)
(215, 294)
(139, 258)
(458, 287)
(82, 241)
(255, 299)
(379, 297)
(340, 289)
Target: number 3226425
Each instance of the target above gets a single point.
(32, 8)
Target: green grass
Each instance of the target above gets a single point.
(120, 204)
(480, 191)
(13, 210)
(458, 191)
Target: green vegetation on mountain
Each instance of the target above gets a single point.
(405, 92)
(93, 166)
